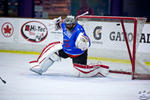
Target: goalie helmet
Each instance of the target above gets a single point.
(70, 21)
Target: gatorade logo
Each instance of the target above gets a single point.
(97, 33)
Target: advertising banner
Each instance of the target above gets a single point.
(103, 35)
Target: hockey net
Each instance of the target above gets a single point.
(117, 39)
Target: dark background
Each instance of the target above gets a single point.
(55, 8)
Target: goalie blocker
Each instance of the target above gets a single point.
(52, 53)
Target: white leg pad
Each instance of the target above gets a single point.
(91, 71)
(46, 58)
(40, 68)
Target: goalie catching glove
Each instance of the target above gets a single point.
(82, 42)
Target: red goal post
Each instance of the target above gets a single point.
(138, 24)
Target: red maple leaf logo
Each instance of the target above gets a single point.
(7, 29)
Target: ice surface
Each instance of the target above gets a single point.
(58, 83)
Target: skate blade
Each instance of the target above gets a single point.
(35, 71)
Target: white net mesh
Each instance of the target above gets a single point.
(142, 71)
(109, 44)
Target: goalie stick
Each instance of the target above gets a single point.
(82, 15)
(3, 80)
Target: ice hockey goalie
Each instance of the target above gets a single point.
(75, 46)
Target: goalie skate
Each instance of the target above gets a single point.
(40, 68)
(35, 67)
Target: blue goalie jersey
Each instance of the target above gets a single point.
(69, 39)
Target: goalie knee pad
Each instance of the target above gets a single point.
(46, 58)
(91, 70)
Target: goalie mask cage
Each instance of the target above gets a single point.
(128, 46)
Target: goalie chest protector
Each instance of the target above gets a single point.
(69, 39)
